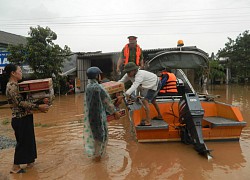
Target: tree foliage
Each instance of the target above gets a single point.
(238, 52)
(40, 53)
(216, 70)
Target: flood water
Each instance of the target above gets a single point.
(60, 148)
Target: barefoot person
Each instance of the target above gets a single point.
(96, 103)
(146, 80)
(22, 120)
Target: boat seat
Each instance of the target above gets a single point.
(220, 121)
(156, 124)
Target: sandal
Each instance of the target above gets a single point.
(157, 118)
(17, 172)
(143, 123)
(148, 124)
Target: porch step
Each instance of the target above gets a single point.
(220, 121)
(156, 124)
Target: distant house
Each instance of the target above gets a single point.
(7, 39)
(107, 62)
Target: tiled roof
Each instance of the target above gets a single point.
(13, 39)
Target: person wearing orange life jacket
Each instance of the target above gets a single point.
(169, 83)
(130, 53)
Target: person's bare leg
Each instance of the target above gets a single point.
(146, 106)
(157, 108)
(30, 165)
(97, 156)
(16, 167)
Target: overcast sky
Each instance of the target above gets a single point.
(98, 25)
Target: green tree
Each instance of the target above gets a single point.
(238, 51)
(40, 53)
(216, 70)
(18, 55)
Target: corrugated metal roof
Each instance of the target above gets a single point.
(69, 64)
(99, 53)
(68, 72)
(13, 39)
(147, 51)
(90, 55)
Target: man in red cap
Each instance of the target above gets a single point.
(130, 53)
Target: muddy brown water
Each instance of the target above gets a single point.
(60, 148)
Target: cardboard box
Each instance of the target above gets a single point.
(35, 85)
(113, 87)
(38, 96)
(112, 117)
(36, 90)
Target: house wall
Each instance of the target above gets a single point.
(106, 62)
(82, 66)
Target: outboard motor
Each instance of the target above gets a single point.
(191, 115)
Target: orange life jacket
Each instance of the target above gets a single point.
(126, 54)
(171, 84)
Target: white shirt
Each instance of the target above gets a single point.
(144, 78)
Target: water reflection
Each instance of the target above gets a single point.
(237, 95)
(179, 161)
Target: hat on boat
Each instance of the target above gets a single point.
(130, 67)
(132, 37)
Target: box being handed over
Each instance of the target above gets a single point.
(112, 117)
(36, 91)
(113, 87)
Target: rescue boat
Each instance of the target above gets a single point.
(188, 116)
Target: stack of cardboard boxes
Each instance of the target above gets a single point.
(115, 90)
(39, 91)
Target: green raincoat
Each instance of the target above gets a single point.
(97, 103)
